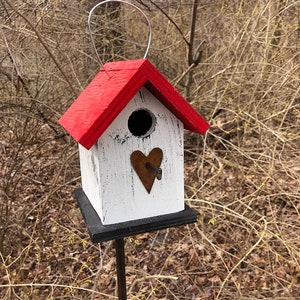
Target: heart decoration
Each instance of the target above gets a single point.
(147, 167)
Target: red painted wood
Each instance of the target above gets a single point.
(109, 92)
(171, 98)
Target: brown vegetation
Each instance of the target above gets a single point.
(239, 65)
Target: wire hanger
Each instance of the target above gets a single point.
(129, 4)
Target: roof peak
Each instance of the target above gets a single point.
(109, 92)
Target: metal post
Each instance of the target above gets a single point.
(121, 275)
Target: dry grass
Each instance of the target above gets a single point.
(243, 176)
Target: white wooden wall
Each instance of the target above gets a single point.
(108, 179)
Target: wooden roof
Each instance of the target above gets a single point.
(110, 91)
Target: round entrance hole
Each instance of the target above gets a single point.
(141, 123)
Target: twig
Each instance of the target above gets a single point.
(97, 276)
(25, 86)
(192, 35)
(54, 285)
(43, 43)
(262, 235)
(168, 17)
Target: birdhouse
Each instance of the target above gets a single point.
(129, 123)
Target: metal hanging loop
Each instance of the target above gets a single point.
(127, 3)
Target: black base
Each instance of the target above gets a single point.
(101, 233)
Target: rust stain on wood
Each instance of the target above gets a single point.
(147, 167)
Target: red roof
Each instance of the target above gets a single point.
(110, 91)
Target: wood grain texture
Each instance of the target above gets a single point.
(145, 165)
(108, 178)
(111, 90)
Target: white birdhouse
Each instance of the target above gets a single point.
(129, 124)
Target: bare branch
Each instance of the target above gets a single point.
(43, 43)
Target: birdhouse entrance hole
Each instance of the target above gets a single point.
(141, 123)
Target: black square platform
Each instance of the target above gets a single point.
(101, 233)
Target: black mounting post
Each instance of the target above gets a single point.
(121, 274)
(101, 233)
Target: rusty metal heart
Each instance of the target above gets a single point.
(147, 167)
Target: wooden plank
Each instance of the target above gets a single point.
(108, 178)
(99, 104)
(101, 233)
